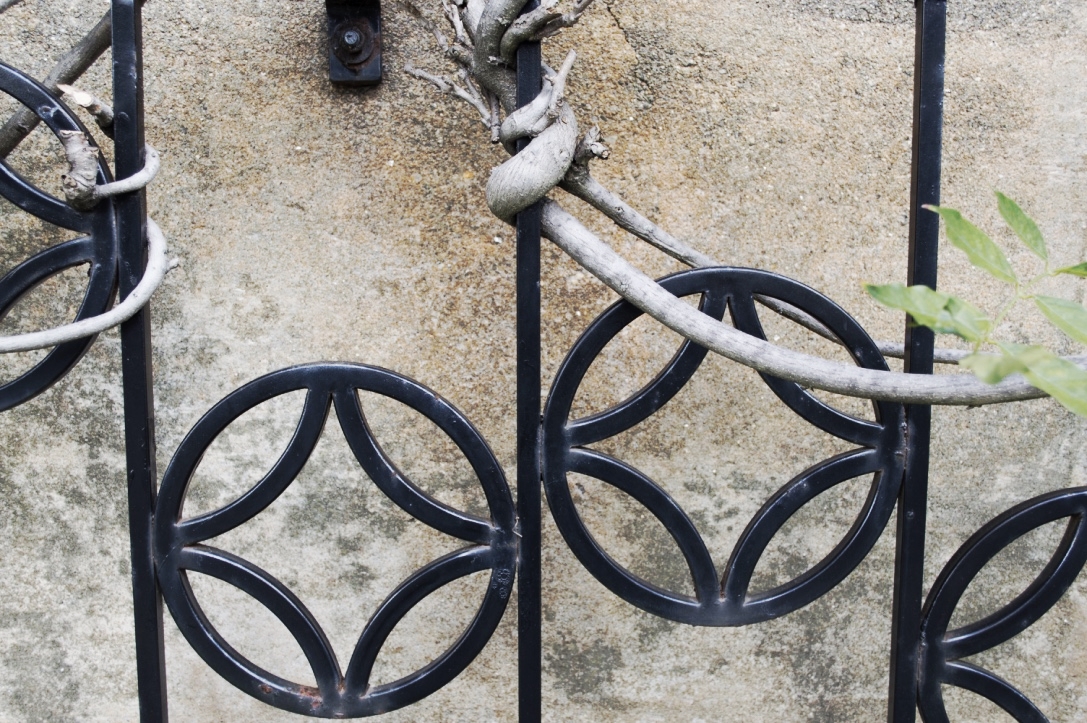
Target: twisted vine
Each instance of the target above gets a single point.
(557, 157)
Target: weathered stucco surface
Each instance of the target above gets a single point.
(315, 223)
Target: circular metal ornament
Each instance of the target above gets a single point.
(98, 247)
(726, 601)
(178, 544)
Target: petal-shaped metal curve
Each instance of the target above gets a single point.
(269, 488)
(448, 665)
(880, 453)
(650, 398)
(837, 564)
(23, 278)
(100, 251)
(662, 506)
(58, 118)
(270, 593)
(395, 485)
(37, 202)
(986, 684)
(942, 649)
(337, 696)
(853, 338)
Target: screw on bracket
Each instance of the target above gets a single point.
(354, 41)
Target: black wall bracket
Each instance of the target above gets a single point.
(354, 42)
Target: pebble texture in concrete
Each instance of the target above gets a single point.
(315, 223)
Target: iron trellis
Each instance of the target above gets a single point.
(894, 449)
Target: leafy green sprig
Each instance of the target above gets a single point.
(947, 314)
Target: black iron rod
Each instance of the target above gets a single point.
(529, 637)
(928, 96)
(136, 362)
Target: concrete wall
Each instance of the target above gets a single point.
(315, 223)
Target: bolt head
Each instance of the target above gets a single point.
(353, 42)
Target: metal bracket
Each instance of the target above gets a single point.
(354, 42)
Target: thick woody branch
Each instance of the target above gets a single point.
(525, 28)
(79, 181)
(580, 183)
(540, 23)
(67, 70)
(528, 176)
(490, 70)
(566, 20)
(527, 121)
(473, 11)
(496, 117)
(809, 371)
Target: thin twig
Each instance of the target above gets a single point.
(453, 14)
(558, 85)
(426, 22)
(447, 86)
(99, 109)
(487, 66)
(886, 348)
(579, 182)
(458, 51)
(67, 70)
(471, 86)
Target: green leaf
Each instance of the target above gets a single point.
(943, 313)
(920, 302)
(1060, 379)
(992, 368)
(1077, 270)
(1023, 225)
(968, 320)
(1068, 316)
(978, 247)
(1026, 354)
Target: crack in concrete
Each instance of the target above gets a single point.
(619, 25)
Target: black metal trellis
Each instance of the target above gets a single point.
(99, 247)
(894, 448)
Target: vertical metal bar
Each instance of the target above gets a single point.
(529, 637)
(928, 96)
(136, 361)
